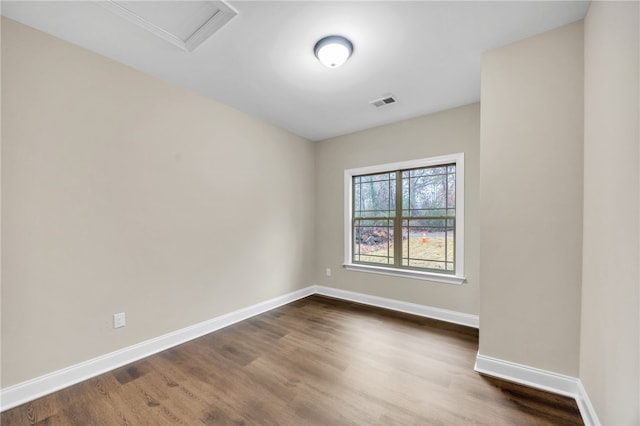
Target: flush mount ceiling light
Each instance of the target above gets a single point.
(333, 51)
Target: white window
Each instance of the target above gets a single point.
(407, 219)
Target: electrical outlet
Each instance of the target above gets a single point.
(119, 320)
(328, 272)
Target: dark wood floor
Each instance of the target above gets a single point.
(317, 361)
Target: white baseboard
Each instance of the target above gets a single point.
(21, 393)
(540, 379)
(397, 305)
(528, 376)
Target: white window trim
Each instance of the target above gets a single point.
(459, 277)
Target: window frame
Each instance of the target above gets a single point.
(456, 278)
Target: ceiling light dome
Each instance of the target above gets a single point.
(333, 51)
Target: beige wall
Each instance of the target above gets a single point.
(124, 193)
(452, 131)
(531, 201)
(610, 350)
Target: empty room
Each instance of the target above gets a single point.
(320, 213)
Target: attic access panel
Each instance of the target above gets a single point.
(185, 24)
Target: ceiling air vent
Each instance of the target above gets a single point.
(384, 101)
(185, 24)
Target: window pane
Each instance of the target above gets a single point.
(373, 241)
(374, 195)
(429, 243)
(450, 242)
(427, 192)
(451, 190)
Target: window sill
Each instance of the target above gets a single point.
(406, 273)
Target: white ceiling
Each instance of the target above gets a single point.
(426, 53)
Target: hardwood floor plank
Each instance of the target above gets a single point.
(316, 361)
